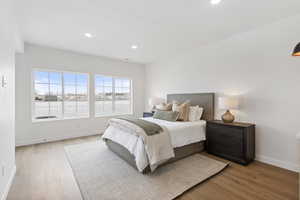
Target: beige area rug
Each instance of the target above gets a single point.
(102, 175)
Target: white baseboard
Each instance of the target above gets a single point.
(278, 163)
(10, 181)
(53, 138)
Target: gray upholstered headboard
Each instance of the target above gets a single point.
(205, 100)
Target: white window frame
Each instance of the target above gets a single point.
(113, 96)
(33, 117)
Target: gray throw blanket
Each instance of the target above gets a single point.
(149, 127)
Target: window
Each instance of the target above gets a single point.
(47, 95)
(76, 100)
(60, 95)
(112, 95)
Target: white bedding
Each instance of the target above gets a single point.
(175, 134)
(182, 133)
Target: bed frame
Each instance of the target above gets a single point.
(205, 100)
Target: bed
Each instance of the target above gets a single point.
(187, 138)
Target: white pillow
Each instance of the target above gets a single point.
(195, 113)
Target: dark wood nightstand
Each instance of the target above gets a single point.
(233, 141)
(148, 114)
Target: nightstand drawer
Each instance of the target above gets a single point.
(228, 149)
(228, 135)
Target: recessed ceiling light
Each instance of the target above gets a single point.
(134, 46)
(215, 2)
(88, 35)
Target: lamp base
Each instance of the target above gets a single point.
(227, 117)
(153, 109)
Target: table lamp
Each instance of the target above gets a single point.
(153, 101)
(228, 103)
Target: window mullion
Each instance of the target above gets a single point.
(76, 96)
(63, 95)
(104, 96)
(49, 93)
(33, 98)
(131, 96)
(113, 96)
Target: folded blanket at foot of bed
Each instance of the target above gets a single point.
(152, 148)
(150, 128)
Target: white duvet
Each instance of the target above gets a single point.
(156, 149)
(183, 133)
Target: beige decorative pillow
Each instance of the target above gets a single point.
(183, 110)
(164, 107)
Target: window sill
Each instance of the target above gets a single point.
(57, 119)
(77, 118)
(112, 115)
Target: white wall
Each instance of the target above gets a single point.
(7, 135)
(28, 132)
(258, 66)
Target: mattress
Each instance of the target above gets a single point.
(182, 133)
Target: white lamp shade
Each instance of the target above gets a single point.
(153, 101)
(227, 103)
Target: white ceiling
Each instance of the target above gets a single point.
(159, 27)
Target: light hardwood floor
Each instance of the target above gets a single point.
(43, 173)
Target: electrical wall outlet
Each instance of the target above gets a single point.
(3, 81)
